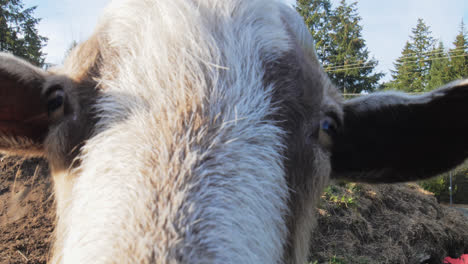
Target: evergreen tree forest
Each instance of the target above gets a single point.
(425, 63)
(339, 43)
(18, 32)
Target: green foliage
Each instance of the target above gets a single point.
(344, 200)
(423, 67)
(342, 51)
(412, 67)
(438, 185)
(405, 70)
(339, 44)
(18, 32)
(459, 55)
(440, 71)
(422, 43)
(350, 66)
(316, 16)
(336, 260)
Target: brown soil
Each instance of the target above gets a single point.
(358, 224)
(26, 210)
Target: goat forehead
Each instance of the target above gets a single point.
(181, 38)
(216, 65)
(188, 138)
(183, 114)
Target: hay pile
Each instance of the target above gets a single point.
(360, 223)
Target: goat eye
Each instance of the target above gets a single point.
(55, 103)
(328, 125)
(328, 129)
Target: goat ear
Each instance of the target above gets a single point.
(392, 137)
(23, 111)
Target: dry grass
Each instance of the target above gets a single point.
(389, 224)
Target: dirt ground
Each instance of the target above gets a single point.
(26, 210)
(362, 224)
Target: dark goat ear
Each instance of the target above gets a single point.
(23, 111)
(392, 137)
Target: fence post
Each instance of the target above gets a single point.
(450, 188)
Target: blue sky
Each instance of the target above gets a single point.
(386, 24)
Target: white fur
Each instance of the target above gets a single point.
(172, 149)
(185, 163)
(186, 133)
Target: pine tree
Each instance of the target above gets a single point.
(316, 14)
(350, 67)
(459, 55)
(439, 74)
(422, 43)
(18, 32)
(72, 45)
(405, 68)
(412, 68)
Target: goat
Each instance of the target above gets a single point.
(204, 131)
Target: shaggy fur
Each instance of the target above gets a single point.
(192, 194)
(190, 131)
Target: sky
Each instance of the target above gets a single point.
(386, 24)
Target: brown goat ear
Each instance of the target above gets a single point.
(393, 137)
(23, 111)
